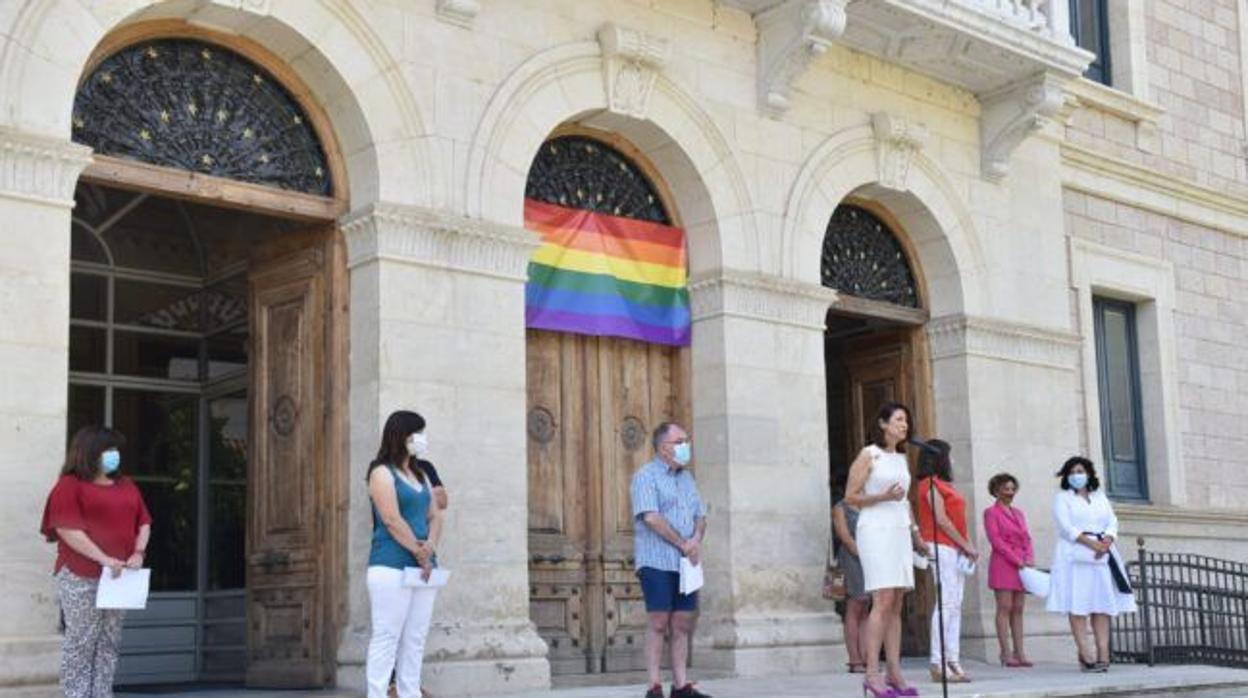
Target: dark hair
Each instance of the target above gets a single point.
(999, 481)
(82, 458)
(1094, 483)
(884, 414)
(660, 433)
(936, 463)
(393, 450)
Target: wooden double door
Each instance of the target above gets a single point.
(592, 404)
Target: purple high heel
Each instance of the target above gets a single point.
(867, 688)
(899, 691)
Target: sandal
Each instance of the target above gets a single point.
(857, 667)
(959, 676)
(1025, 663)
(1011, 662)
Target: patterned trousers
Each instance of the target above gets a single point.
(92, 638)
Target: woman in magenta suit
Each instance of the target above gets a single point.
(1011, 551)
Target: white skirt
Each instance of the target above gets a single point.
(1080, 589)
(887, 557)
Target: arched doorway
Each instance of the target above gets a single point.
(608, 317)
(874, 352)
(208, 324)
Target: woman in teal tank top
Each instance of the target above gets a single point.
(407, 525)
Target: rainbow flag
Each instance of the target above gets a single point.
(599, 274)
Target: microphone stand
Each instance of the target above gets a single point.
(940, 607)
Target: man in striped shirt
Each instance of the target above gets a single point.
(669, 520)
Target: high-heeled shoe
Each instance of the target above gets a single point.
(1010, 662)
(1086, 666)
(868, 689)
(900, 691)
(959, 676)
(1025, 663)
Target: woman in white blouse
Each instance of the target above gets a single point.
(1088, 576)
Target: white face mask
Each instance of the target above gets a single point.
(418, 445)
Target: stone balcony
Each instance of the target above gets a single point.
(1014, 55)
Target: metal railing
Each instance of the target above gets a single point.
(1192, 610)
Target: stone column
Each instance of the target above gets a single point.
(761, 454)
(437, 326)
(37, 177)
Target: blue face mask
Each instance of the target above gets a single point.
(1077, 481)
(682, 453)
(110, 461)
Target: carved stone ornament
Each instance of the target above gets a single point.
(896, 142)
(790, 36)
(1011, 114)
(40, 169)
(458, 12)
(541, 425)
(631, 61)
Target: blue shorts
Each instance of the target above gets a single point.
(661, 590)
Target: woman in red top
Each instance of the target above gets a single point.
(947, 541)
(97, 519)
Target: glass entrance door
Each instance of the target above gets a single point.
(158, 350)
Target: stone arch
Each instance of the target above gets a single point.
(939, 228)
(565, 85)
(343, 63)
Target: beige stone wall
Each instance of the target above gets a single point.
(1210, 321)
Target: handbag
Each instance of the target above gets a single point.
(834, 588)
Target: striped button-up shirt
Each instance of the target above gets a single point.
(672, 494)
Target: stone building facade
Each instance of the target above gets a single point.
(1074, 252)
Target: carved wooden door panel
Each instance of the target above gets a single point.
(592, 404)
(284, 571)
(639, 390)
(881, 370)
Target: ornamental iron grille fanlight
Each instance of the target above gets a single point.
(582, 173)
(862, 257)
(197, 106)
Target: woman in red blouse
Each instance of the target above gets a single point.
(948, 542)
(97, 519)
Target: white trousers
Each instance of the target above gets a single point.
(951, 584)
(401, 618)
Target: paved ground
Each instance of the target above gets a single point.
(1043, 681)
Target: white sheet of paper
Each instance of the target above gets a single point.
(690, 576)
(411, 578)
(129, 591)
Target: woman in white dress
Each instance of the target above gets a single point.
(1084, 580)
(879, 480)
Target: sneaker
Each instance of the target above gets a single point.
(656, 691)
(689, 691)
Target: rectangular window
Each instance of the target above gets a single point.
(1118, 379)
(1089, 25)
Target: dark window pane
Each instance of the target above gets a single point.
(171, 550)
(1089, 20)
(154, 237)
(155, 356)
(88, 349)
(1118, 382)
(85, 247)
(156, 305)
(1118, 387)
(160, 454)
(227, 475)
(227, 353)
(88, 297)
(86, 407)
